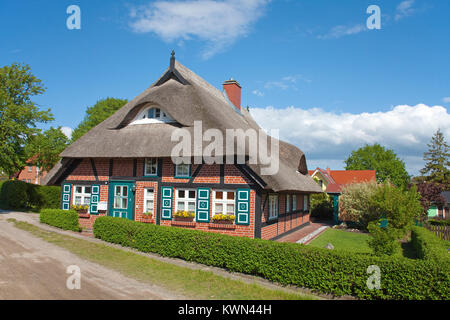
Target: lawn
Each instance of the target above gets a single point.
(343, 240)
(193, 283)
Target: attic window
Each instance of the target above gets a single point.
(152, 115)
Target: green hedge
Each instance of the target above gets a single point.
(326, 271)
(428, 246)
(435, 222)
(64, 219)
(18, 195)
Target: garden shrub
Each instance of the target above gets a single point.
(428, 246)
(322, 206)
(384, 240)
(64, 219)
(326, 271)
(18, 195)
(436, 222)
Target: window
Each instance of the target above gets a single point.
(121, 197)
(30, 168)
(294, 202)
(305, 202)
(182, 170)
(151, 167)
(224, 202)
(288, 203)
(273, 206)
(185, 200)
(149, 198)
(151, 115)
(82, 195)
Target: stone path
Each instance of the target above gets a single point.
(306, 234)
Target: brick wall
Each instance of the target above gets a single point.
(31, 176)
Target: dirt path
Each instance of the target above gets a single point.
(31, 268)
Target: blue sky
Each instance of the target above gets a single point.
(310, 68)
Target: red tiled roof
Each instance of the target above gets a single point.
(338, 178)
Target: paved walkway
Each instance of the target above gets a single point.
(308, 233)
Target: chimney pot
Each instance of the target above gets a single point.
(233, 90)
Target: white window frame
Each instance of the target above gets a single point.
(143, 116)
(273, 206)
(288, 203)
(121, 196)
(186, 199)
(224, 201)
(188, 175)
(83, 194)
(30, 168)
(148, 197)
(305, 202)
(152, 166)
(294, 202)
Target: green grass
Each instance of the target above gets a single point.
(343, 240)
(192, 283)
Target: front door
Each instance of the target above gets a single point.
(121, 200)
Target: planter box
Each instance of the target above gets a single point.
(227, 226)
(183, 219)
(146, 219)
(223, 221)
(183, 224)
(83, 215)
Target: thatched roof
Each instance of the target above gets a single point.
(186, 98)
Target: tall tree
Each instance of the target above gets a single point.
(431, 193)
(44, 148)
(437, 161)
(18, 114)
(96, 114)
(384, 161)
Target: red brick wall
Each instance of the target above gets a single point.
(139, 200)
(25, 175)
(285, 222)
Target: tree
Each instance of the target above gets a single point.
(96, 114)
(431, 193)
(44, 148)
(386, 163)
(18, 114)
(437, 161)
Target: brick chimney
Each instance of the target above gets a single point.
(233, 91)
(329, 171)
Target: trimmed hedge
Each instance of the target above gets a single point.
(64, 219)
(435, 222)
(326, 271)
(428, 246)
(18, 195)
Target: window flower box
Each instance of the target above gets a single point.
(183, 224)
(147, 217)
(223, 218)
(81, 209)
(185, 216)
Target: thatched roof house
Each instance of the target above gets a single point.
(143, 128)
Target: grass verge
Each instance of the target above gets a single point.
(195, 284)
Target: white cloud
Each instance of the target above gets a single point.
(446, 99)
(328, 137)
(258, 93)
(405, 9)
(288, 82)
(340, 31)
(218, 23)
(67, 131)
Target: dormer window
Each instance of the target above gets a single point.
(152, 115)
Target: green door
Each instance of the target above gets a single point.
(121, 200)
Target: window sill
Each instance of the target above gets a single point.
(221, 226)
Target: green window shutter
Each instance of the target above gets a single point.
(66, 192)
(95, 198)
(166, 203)
(243, 206)
(203, 201)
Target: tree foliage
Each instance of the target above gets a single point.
(386, 163)
(437, 161)
(431, 193)
(96, 114)
(18, 114)
(44, 148)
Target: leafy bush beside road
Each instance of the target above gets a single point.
(19, 195)
(64, 219)
(338, 273)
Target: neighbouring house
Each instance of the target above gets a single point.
(332, 182)
(442, 212)
(123, 167)
(31, 173)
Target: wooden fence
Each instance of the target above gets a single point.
(442, 232)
